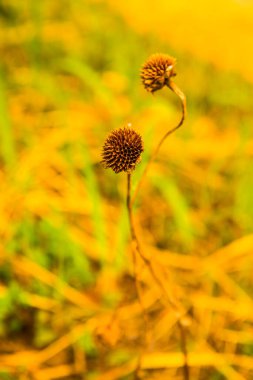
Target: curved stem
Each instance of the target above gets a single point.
(182, 98)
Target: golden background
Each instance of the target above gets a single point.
(69, 75)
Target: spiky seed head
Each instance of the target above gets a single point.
(122, 150)
(157, 71)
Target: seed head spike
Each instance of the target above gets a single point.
(122, 150)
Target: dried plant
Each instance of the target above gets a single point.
(156, 73)
(121, 152)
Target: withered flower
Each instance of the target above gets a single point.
(157, 71)
(122, 150)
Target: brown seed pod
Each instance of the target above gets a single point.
(157, 71)
(122, 150)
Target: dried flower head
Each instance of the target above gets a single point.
(157, 71)
(122, 150)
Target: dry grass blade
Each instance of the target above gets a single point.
(32, 269)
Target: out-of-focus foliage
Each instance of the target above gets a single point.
(69, 74)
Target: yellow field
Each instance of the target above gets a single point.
(77, 301)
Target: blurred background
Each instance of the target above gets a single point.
(69, 75)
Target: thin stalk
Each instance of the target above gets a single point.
(183, 339)
(182, 98)
(156, 278)
(134, 251)
(137, 247)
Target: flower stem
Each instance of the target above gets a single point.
(137, 247)
(182, 98)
